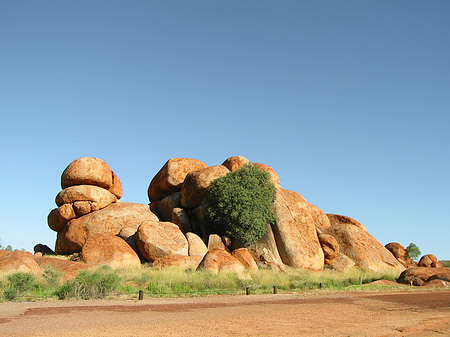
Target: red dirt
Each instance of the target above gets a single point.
(343, 314)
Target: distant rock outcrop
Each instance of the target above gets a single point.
(400, 253)
(430, 261)
(426, 276)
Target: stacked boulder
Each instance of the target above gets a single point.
(400, 254)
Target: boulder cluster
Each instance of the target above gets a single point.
(95, 227)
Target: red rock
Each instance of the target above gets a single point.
(171, 176)
(329, 246)
(266, 251)
(295, 232)
(196, 246)
(70, 269)
(320, 218)
(179, 261)
(336, 219)
(235, 163)
(429, 260)
(219, 259)
(215, 242)
(111, 250)
(110, 220)
(165, 206)
(181, 218)
(18, 261)
(58, 217)
(340, 263)
(400, 253)
(157, 239)
(196, 185)
(245, 258)
(274, 177)
(420, 276)
(94, 194)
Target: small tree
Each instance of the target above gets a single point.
(413, 251)
(240, 204)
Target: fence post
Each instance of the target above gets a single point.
(247, 290)
(275, 289)
(320, 285)
(141, 295)
(360, 280)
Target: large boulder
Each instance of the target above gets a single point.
(400, 253)
(363, 248)
(329, 246)
(196, 245)
(18, 261)
(235, 163)
(171, 176)
(111, 250)
(265, 250)
(218, 259)
(181, 218)
(178, 261)
(429, 260)
(245, 258)
(157, 239)
(422, 276)
(196, 185)
(340, 263)
(70, 269)
(295, 232)
(97, 196)
(274, 177)
(336, 219)
(58, 217)
(164, 207)
(91, 171)
(320, 218)
(110, 220)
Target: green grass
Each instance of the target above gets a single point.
(170, 282)
(445, 263)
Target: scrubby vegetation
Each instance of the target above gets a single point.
(413, 251)
(240, 204)
(445, 263)
(104, 282)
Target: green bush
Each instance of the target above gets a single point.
(240, 204)
(90, 284)
(413, 251)
(19, 283)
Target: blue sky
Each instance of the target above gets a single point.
(348, 100)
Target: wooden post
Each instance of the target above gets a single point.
(360, 280)
(320, 285)
(247, 290)
(141, 295)
(275, 290)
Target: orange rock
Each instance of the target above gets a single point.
(340, 263)
(244, 257)
(18, 261)
(110, 220)
(295, 232)
(319, 217)
(91, 171)
(219, 259)
(265, 250)
(181, 218)
(400, 253)
(179, 261)
(157, 239)
(274, 177)
(196, 246)
(196, 185)
(420, 276)
(58, 217)
(70, 269)
(171, 176)
(235, 163)
(94, 194)
(165, 206)
(336, 219)
(329, 245)
(429, 260)
(111, 250)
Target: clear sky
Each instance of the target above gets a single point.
(349, 101)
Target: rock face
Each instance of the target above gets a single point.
(295, 232)
(97, 196)
(422, 276)
(70, 269)
(196, 185)
(265, 250)
(245, 258)
(400, 253)
(110, 220)
(340, 263)
(329, 245)
(429, 260)
(336, 219)
(218, 259)
(171, 176)
(17, 261)
(179, 261)
(235, 163)
(91, 171)
(363, 248)
(274, 177)
(158, 239)
(110, 250)
(164, 208)
(196, 246)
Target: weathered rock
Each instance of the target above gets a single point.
(157, 239)
(329, 246)
(91, 171)
(196, 246)
(171, 176)
(245, 258)
(218, 259)
(363, 248)
(111, 250)
(340, 263)
(265, 250)
(100, 196)
(429, 260)
(235, 163)
(58, 217)
(274, 177)
(196, 185)
(320, 218)
(18, 261)
(181, 218)
(400, 253)
(179, 261)
(295, 232)
(43, 249)
(82, 208)
(130, 237)
(110, 220)
(165, 206)
(215, 242)
(70, 269)
(336, 219)
(198, 222)
(420, 276)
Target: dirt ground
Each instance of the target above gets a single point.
(342, 314)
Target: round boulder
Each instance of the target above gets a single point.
(94, 194)
(430, 261)
(235, 163)
(274, 177)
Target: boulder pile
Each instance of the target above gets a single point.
(172, 229)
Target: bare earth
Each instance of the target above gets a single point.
(343, 314)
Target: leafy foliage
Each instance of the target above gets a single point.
(413, 251)
(240, 204)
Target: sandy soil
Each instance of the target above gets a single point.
(343, 314)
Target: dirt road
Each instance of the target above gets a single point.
(343, 314)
